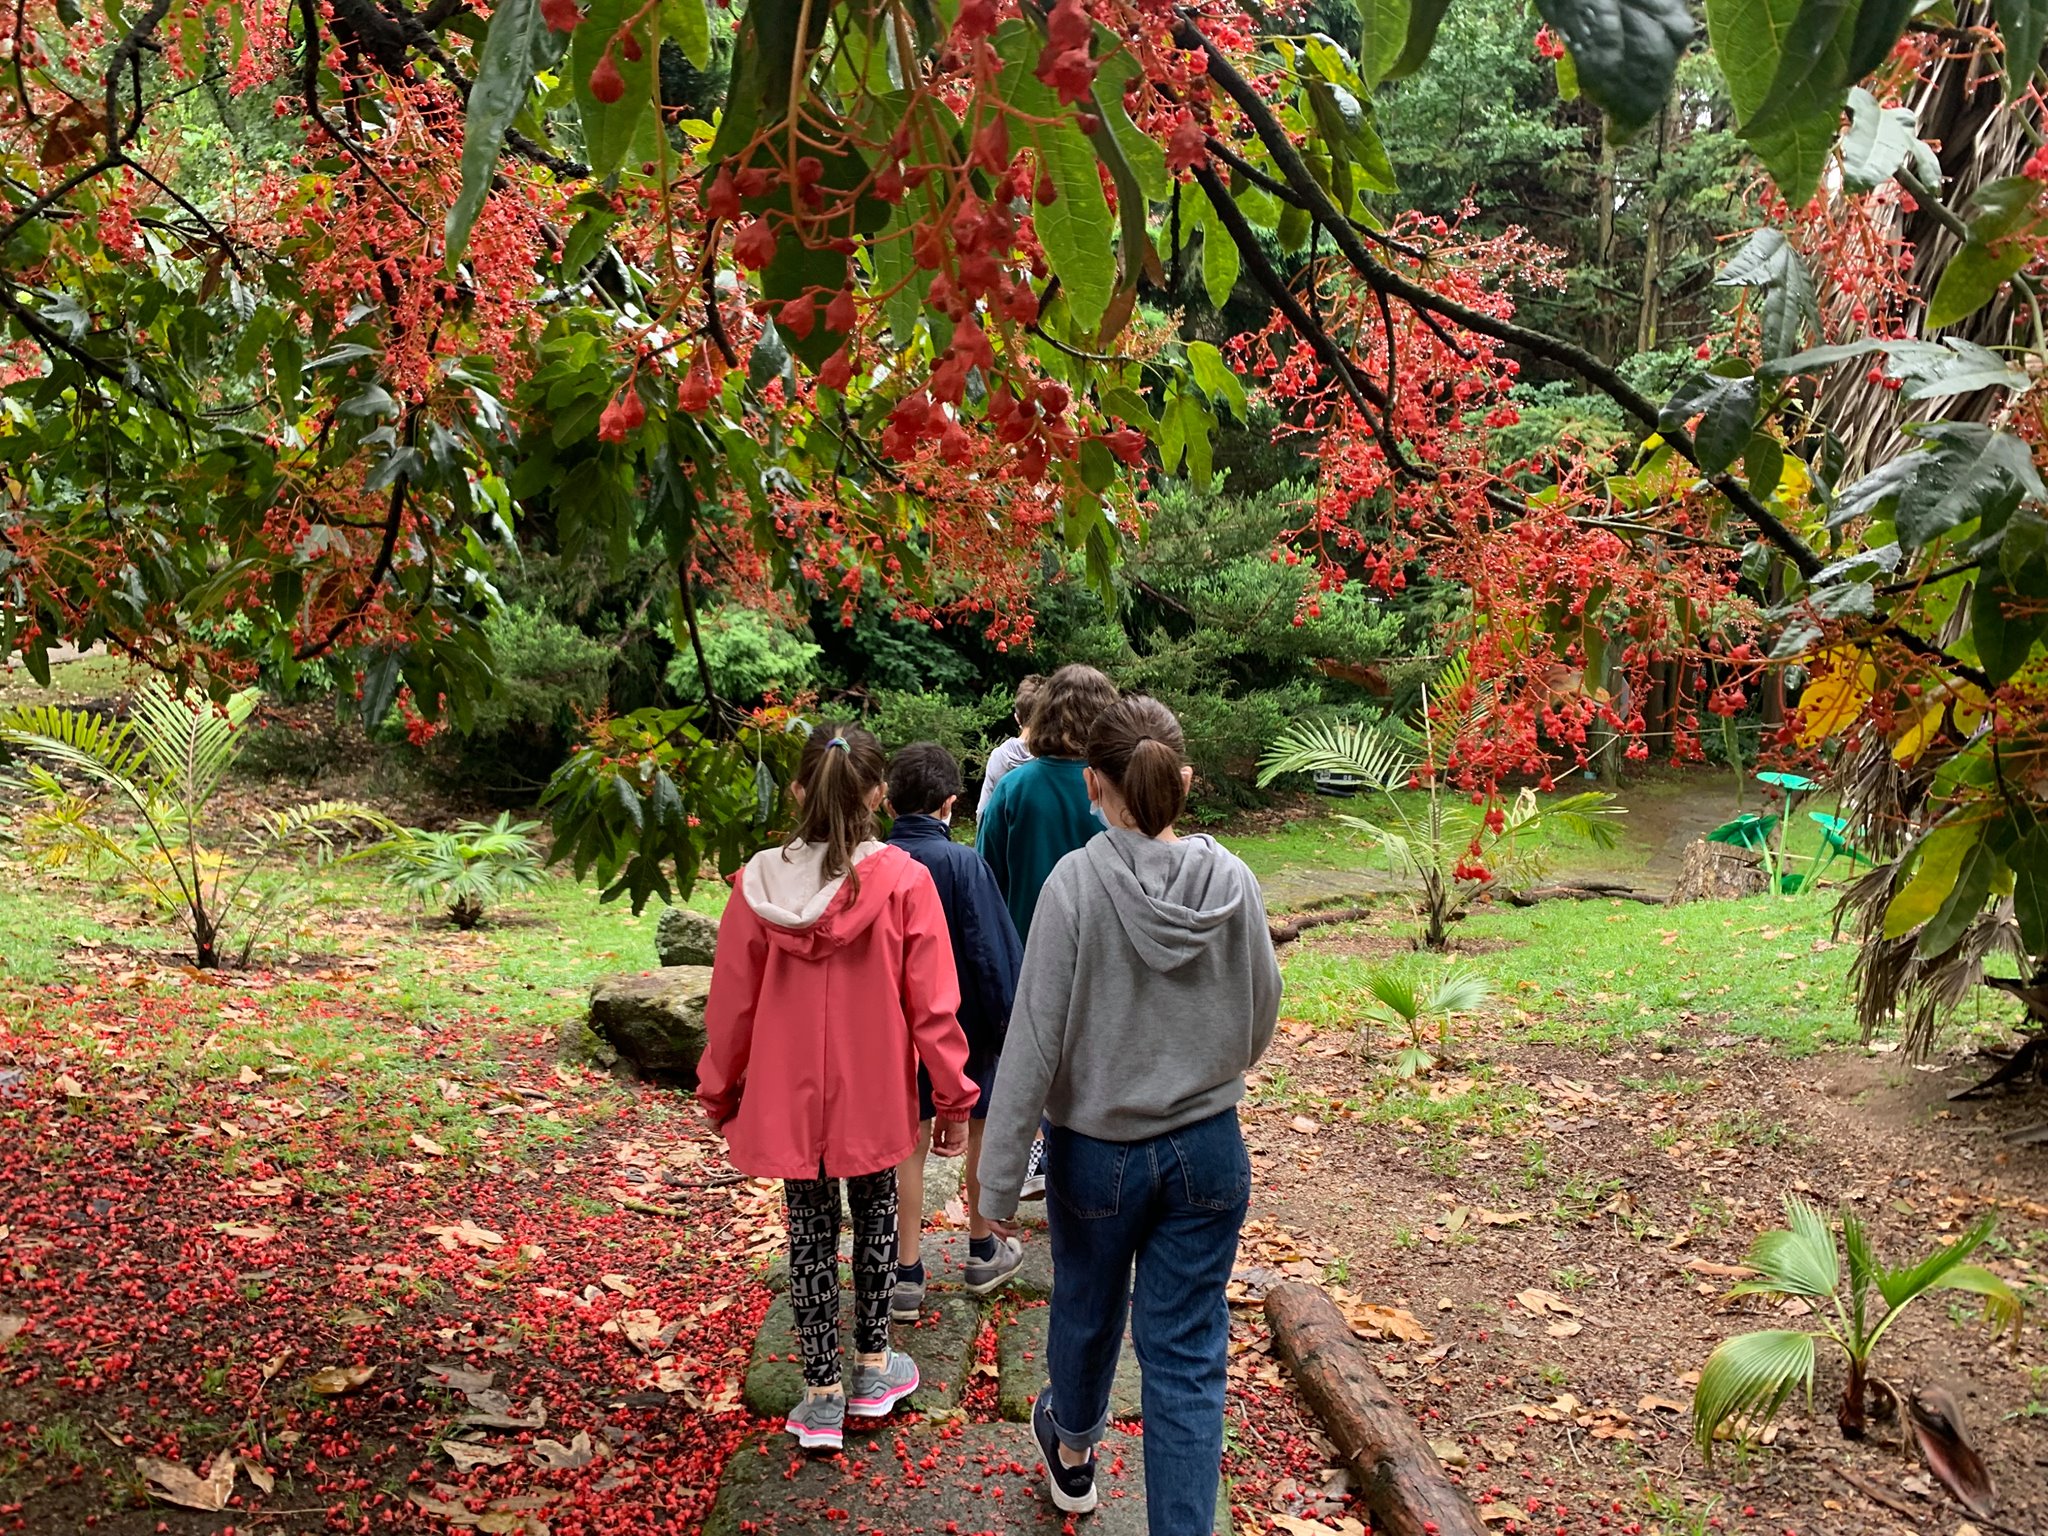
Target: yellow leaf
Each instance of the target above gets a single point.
(1831, 703)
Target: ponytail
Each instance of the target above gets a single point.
(1136, 744)
(841, 767)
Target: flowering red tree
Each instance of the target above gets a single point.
(863, 320)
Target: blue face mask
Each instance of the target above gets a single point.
(1096, 811)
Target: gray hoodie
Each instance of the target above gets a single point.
(1149, 989)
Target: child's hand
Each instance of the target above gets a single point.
(949, 1138)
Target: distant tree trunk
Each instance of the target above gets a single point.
(1603, 252)
(1659, 209)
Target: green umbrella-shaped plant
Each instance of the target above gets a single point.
(1750, 1376)
(1414, 1004)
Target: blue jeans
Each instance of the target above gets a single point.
(1172, 1205)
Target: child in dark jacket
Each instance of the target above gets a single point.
(924, 783)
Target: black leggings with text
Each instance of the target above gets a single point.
(814, 1267)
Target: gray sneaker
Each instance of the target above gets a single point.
(906, 1302)
(984, 1275)
(819, 1423)
(877, 1389)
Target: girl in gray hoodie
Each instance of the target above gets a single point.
(1149, 988)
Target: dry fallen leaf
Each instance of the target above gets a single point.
(268, 1187)
(1495, 1514)
(713, 1308)
(428, 1145)
(174, 1484)
(1715, 1271)
(467, 1457)
(1502, 1218)
(1295, 1526)
(72, 1088)
(494, 1411)
(641, 1326)
(251, 1234)
(463, 1233)
(1655, 1404)
(618, 1283)
(259, 1474)
(248, 1077)
(10, 1326)
(1565, 1328)
(339, 1380)
(460, 1378)
(1372, 1321)
(564, 1458)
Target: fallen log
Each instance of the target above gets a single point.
(1582, 890)
(1399, 1476)
(1295, 927)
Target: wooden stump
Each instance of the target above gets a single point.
(1719, 872)
(1398, 1474)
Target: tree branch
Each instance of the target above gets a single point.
(1423, 299)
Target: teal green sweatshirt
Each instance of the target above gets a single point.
(1038, 815)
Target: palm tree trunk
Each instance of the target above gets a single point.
(1850, 1414)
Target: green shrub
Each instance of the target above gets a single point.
(549, 674)
(899, 717)
(750, 655)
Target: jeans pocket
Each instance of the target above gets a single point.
(1214, 1165)
(1086, 1176)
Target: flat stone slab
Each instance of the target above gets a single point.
(1020, 1357)
(985, 1479)
(941, 1342)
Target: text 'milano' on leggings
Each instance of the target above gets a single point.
(814, 1267)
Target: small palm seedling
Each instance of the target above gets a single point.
(164, 768)
(1750, 1376)
(1402, 994)
(1453, 850)
(469, 869)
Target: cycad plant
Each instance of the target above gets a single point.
(1404, 997)
(1750, 1376)
(1451, 848)
(469, 869)
(165, 766)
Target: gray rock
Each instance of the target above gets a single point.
(579, 1046)
(683, 937)
(654, 1020)
(1020, 1360)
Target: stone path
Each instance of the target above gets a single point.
(939, 1474)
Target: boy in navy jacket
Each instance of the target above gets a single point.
(924, 781)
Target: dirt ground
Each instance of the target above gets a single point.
(1622, 1197)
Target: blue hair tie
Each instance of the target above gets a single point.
(840, 743)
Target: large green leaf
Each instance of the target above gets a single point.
(1965, 899)
(504, 74)
(1625, 51)
(1749, 1377)
(1751, 39)
(1424, 17)
(1727, 411)
(1767, 261)
(1813, 67)
(2004, 628)
(2030, 890)
(609, 127)
(1899, 1286)
(1973, 277)
(2022, 26)
(1383, 34)
(690, 25)
(1934, 877)
(1076, 227)
(1214, 377)
(1877, 143)
(1970, 472)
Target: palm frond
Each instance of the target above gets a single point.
(2003, 1308)
(1899, 1286)
(1397, 992)
(1798, 1260)
(322, 814)
(82, 740)
(1589, 816)
(1459, 991)
(1749, 1377)
(191, 742)
(1324, 746)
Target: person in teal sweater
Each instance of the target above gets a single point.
(1040, 811)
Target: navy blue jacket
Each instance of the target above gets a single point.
(985, 948)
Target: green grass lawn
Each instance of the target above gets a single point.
(1599, 973)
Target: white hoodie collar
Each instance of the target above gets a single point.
(786, 886)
